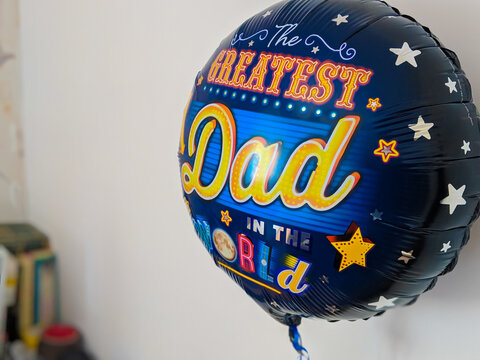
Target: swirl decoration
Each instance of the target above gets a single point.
(343, 51)
(262, 35)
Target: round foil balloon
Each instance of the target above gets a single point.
(330, 159)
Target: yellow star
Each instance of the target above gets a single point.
(200, 80)
(226, 217)
(353, 250)
(386, 150)
(374, 104)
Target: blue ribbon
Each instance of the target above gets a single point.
(296, 340)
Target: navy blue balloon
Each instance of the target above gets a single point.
(330, 159)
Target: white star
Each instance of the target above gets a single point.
(331, 309)
(274, 304)
(446, 247)
(452, 85)
(315, 49)
(406, 256)
(454, 198)
(466, 147)
(421, 128)
(268, 13)
(405, 54)
(341, 19)
(383, 302)
(377, 215)
(251, 43)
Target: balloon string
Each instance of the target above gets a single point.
(296, 340)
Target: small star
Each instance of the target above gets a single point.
(377, 215)
(466, 147)
(452, 85)
(383, 302)
(446, 247)
(324, 279)
(268, 13)
(315, 49)
(226, 217)
(332, 308)
(406, 256)
(352, 246)
(374, 104)
(340, 19)
(454, 198)
(200, 80)
(421, 128)
(386, 150)
(274, 304)
(250, 44)
(405, 54)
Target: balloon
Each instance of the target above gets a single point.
(329, 159)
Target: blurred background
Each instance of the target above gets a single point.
(91, 101)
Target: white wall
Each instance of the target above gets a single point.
(11, 143)
(105, 84)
